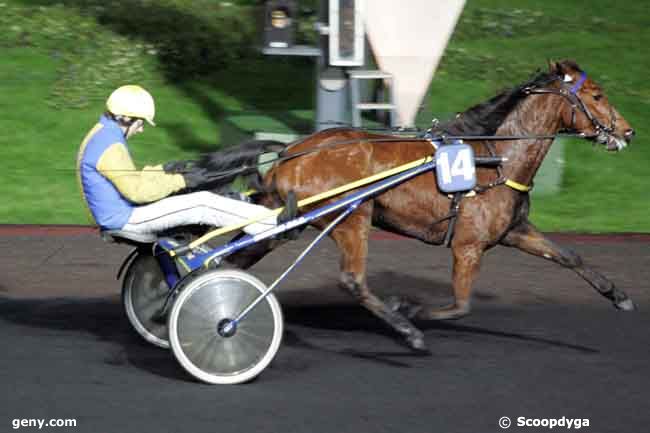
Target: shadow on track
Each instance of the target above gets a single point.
(352, 318)
(102, 318)
(345, 330)
(412, 288)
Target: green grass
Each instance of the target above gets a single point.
(59, 60)
(601, 192)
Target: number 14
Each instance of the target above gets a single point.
(461, 166)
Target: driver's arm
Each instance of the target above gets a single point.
(138, 186)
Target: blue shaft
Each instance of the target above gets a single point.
(360, 195)
(351, 208)
(169, 269)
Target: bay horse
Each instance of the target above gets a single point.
(564, 98)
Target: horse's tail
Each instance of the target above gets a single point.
(244, 160)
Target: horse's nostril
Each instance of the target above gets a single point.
(629, 134)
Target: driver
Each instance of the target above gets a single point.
(120, 197)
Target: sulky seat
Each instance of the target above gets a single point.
(122, 236)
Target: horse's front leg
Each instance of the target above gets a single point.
(467, 261)
(527, 238)
(351, 237)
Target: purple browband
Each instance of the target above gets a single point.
(579, 83)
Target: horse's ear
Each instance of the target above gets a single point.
(554, 67)
(551, 65)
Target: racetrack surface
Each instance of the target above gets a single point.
(540, 343)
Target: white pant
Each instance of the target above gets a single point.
(201, 207)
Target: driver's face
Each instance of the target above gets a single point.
(135, 128)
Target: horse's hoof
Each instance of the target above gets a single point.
(401, 306)
(448, 313)
(625, 305)
(416, 344)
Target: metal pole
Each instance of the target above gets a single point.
(351, 208)
(331, 84)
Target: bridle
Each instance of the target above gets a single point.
(570, 92)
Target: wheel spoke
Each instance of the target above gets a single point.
(196, 314)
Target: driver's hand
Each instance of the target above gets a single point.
(195, 177)
(177, 167)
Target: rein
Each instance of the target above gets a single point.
(442, 138)
(570, 93)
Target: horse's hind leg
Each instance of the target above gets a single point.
(527, 238)
(247, 257)
(351, 236)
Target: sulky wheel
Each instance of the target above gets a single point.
(211, 351)
(144, 292)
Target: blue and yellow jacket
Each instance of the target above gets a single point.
(109, 181)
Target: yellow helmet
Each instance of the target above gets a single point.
(132, 101)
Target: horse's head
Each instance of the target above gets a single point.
(589, 111)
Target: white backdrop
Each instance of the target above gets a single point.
(408, 39)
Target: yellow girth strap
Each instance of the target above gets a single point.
(518, 186)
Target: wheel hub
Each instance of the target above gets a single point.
(227, 328)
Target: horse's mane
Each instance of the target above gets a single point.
(236, 161)
(485, 118)
(235, 157)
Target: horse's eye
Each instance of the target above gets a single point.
(598, 97)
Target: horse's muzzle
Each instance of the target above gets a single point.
(612, 143)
